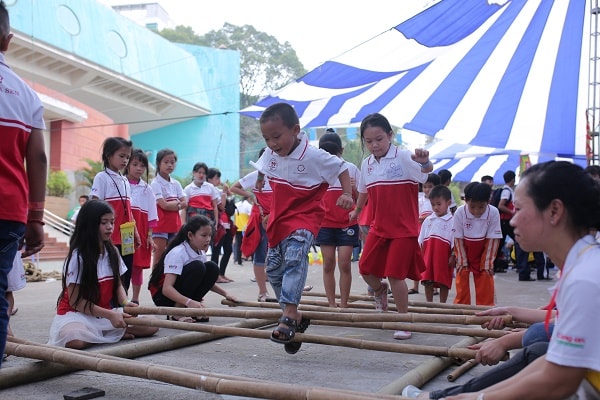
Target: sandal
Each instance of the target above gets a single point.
(413, 291)
(293, 347)
(201, 319)
(284, 335)
(180, 318)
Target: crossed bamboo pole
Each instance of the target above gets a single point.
(214, 383)
(329, 315)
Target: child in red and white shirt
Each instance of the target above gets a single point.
(436, 242)
(477, 234)
(299, 175)
(202, 196)
(170, 200)
(143, 208)
(390, 178)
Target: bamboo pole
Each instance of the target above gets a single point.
(355, 297)
(310, 338)
(33, 372)
(461, 369)
(189, 379)
(322, 306)
(330, 315)
(423, 328)
(426, 371)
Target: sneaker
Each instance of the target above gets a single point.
(381, 300)
(412, 392)
(402, 335)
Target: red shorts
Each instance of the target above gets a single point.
(398, 258)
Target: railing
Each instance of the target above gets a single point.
(58, 223)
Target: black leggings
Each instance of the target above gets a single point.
(503, 371)
(227, 244)
(196, 279)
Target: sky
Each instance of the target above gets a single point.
(318, 30)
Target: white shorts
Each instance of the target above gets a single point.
(16, 276)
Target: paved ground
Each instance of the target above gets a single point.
(315, 364)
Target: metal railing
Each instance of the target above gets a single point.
(58, 223)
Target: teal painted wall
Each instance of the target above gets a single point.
(215, 138)
(96, 33)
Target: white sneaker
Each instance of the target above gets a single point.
(411, 392)
(402, 335)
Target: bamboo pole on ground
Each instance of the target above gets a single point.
(189, 379)
(355, 297)
(15, 376)
(422, 328)
(426, 371)
(310, 338)
(461, 369)
(322, 306)
(333, 316)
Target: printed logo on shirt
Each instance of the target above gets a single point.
(571, 341)
(369, 170)
(170, 266)
(394, 171)
(272, 164)
(468, 226)
(301, 169)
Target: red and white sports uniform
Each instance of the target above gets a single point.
(175, 260)
(143, 208)
(105, 281)
(69, 324)
(263, 197)
(476, 245)
(114, 188)
(168, 221)
(299, 182)
(425, 209)
(392, 183)
(436, 240)
(202, 196)
(336, 216)
(20, 111)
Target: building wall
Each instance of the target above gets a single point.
(215, 138)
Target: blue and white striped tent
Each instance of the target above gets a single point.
(469, 163)
(505, 74)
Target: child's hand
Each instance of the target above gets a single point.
(260, 182)
(150, 243)
(231, 298)
(345, 201)
(353, 215)
(452, 261)
(195, 304)
(117, 319)
(421, 156)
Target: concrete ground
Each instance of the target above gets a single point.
(314, 365)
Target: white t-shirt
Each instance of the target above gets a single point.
(181, 255)
(574, 342)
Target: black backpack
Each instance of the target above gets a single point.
(230, 207)
(496, 194)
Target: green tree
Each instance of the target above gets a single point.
(265, 65)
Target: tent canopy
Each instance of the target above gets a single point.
(508, 74)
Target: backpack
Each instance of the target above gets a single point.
(496, 194)
(230, 207)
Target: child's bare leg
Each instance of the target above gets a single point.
(443, 294)
(134, 331)
(261, 278)
(161, 245)
(345, 264)
(329, 273)
(429, 292)
(415, 287)
(400, 292)
(11, 303)
(77, 344)
(136, 293)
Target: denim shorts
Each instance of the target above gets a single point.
(259, 257)
(338, 236)
(167, 236)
